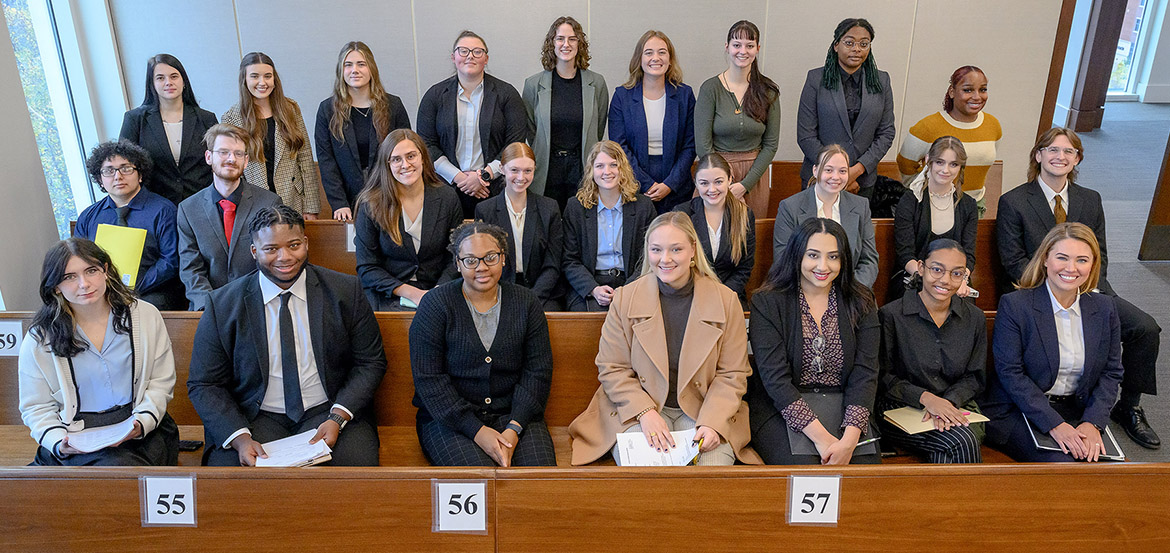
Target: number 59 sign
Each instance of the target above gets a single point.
(814, 499)
(168, 500)
(460, 506)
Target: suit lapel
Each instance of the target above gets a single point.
(486, 113)
(254, 312)
(1046, 325)
(650, 331)
(192, 143)
(1076, 203)
(699, 220)
(243, 213)
(701, 335)
(808, 208)
(629, 248)
(851, 220)
(670, 123)
(838, 95)
(871, 105)
(351, 144)
(587, 94)
(215, 223)
(158, 133)
(1039, 204)
(531, 223)
(589, 253)
(636, 114)
(316, 304)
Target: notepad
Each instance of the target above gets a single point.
(295, 451)
(910, 420)
(1044, 440)
(635, 451)
(97, 439)
(124, 244)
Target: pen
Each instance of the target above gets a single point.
(698, 445)
(869, 441)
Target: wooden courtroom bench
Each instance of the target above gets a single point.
(574, 337)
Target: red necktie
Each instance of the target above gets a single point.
(229, 218)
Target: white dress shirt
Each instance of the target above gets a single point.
(714, 234)
(1070, 333)
(517, 220)
(655, 117)
(1051, 195)
(836, 208)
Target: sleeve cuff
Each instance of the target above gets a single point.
(856, 416)
(798, 415)
(342, 407)
(227, 444)
(446, 169)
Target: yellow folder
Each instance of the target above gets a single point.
(910, 420)
(124, 244)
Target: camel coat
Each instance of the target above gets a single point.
(632, 367)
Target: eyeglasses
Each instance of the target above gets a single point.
(1054, 150)
(563, 39)
(491, 259)
(849, 43)
(938, 272)
(410, 157)
(818, 361)
(125, 170)
(230, 153)
(470, 52)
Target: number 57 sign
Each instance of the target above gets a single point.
(814, 499)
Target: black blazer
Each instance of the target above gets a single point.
(340, 161)
(1027, 357)
(383, 265)
(455, 377)
(1024, 218)
(229, 375)
(502, 121)
(776, 339)
(581, 241)
(912, 228)
(173, 181)
(732, 275)
(543, 241)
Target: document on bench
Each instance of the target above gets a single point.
(295, 451)
(1044, 440)
(910, 420)
(636, 452)
(97, 439)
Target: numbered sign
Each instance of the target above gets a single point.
(350, 238)
(814, 499)
(460, 506)
(10, 336)
(168, 500)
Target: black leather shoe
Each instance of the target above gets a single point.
(1133, 420)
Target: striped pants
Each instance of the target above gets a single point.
(960, 444)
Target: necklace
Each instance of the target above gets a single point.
(946, 198)
(727, 87)
(365, 113)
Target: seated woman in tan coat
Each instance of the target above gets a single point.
(673, 356)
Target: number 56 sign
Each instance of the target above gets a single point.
(460, 506)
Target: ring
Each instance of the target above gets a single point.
(652, 434)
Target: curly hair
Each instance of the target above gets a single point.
(135, 154)
(588, 191)
(548, 53)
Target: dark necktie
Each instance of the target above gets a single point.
(294, 406)
(123, 212)
(229, 219)
(1058, 211)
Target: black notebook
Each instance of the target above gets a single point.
(1043, 440)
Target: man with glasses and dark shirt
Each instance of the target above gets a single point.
(213, 235)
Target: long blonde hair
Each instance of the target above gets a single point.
(380, 196)
(1036, 272)
(674, 73)
(737, 210)
(680, 221)
(285, 112)
(587, 192)
(342, 102)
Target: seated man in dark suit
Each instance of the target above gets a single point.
(119, 168)
(213, 230)
(1029, 211)
(284, 350)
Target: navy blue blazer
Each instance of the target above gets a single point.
(581, 241)
(173, 180)
(731, 274)
(229, 374)
(627, 126)
(543, 241)
(1027, 355)
(340, 161)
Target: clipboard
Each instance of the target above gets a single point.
(124, 244)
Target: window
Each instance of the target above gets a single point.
(1120, 81)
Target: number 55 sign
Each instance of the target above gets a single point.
(460, 506)
(168, 500)
(814, 499)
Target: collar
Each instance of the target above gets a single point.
(459, 90)
(269, 289)
(855, 77)
(508, 206)
(978, 122)
(1049, 193)
(912, 304)
(1075, 308)
(616, 207)
(234, 197)
(646, 299)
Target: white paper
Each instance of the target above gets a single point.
(634, 451)
(406, 302)
(295, 451)
(96, 439)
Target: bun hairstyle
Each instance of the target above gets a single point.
(956, 77)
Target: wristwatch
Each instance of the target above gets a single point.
(515, 427)
(340, 420)
(485, 174)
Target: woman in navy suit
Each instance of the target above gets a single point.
(478, 337)
(404, 219)
(533, 224)
(1057, 348)
(170, 125)
(652, 116)
(726, 226)
(350, 125)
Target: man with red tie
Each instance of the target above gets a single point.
(214, 244)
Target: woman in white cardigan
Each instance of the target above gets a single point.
(95, 356)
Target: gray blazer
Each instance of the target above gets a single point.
(206, 262)
(822, 119)
(538, 103)
(855, 217)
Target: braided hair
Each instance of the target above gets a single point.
(830, 78)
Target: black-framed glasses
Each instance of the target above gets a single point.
(491, 259)
(125, 170)
(470, 52)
